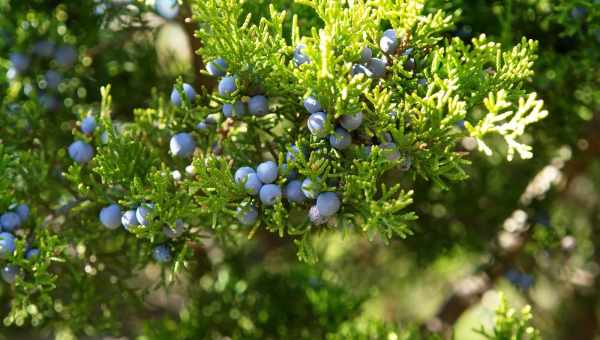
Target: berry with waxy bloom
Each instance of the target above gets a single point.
(81, 152)
(267, 171)
(161, 253)
(110, 216)
(299, 56)
(315, 216)
(247, 215)
(129, 220)
(269, 194)
(310, 189)
(241, 173)
(389, 41)
(182, 145)
(7, 244)
(377, 67)
(10, 221)
(65, 55)
(253, 184)
(167, 9)
(10, 273)
(293, 192)
(33, 252)
(316, 123)
(365, 54)
(351, 122)
(217, 67)
(189, 91)
(258, 105)
(234, 110)
(176, 231)
(328, 203)
(88, 125)
(227, 85)
(142, 212)
(23, 211)
(340, 139)
(312, 105)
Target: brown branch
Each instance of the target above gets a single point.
(188, 24)
(509, 245)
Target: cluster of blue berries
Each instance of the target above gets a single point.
(262, 182)
(257, 105)
(59, 58)
(375, 67)
(317, 124)
(80, 151)
(10, 221)
(112, 217)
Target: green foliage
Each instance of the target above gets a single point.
(511, 325)
(409, 180)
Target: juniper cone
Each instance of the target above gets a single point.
(299, 169)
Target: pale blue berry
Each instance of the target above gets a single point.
(269, 194)
(217, 67)
(390, 151)
(310, 189)
(227, 85)
(253, 184)
(316, 217)
(234, 110)
(167, 9)
(142, 212)
(182, 145)
(202, 126)
(389, 41)
(176, 231)
(23, 211)
(377, 67)
(293, 192)
(578, 12)
(10, 273)
(110, 216)
(290, 155)
(53, 79)
(19, 61)
(361, 69)
(312, 105)
(258, 105)
(286, 172)
(7, 244)
(189, 91)
(10, 221)
(88, 125)
(43, 48)
(299, 56)
(410, 64)
(161, 253)
(365, 54)
(328, 203)
(247, 215)
(33, 252)
(340, 139)
(81, 152)
(352, 122)
(267, 171)
(129, 220)
(65, 55)
(316, 124)
(49, 102)
(241, 173)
